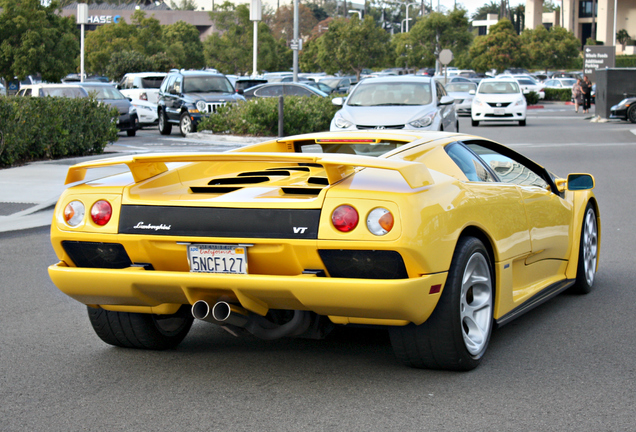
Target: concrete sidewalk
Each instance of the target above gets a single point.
(28, 193)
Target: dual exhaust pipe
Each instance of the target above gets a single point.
(229, 315)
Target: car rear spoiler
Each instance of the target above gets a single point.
(337, 166)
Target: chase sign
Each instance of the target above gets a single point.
(103, 19)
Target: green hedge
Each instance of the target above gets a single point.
(626, 61)
(35, 128)
(259, 116)
(564, 95)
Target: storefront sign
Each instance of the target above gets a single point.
(104, 19)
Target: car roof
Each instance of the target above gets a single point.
(197, 73)
(398, 78)
(142, 74)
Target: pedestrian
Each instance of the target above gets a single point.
(586, 89)
(577, 95)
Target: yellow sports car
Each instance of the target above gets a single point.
(438, 237)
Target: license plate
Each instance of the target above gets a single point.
(500, 111)
(211, 258)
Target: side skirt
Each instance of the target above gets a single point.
(536, 300)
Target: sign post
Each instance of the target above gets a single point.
(82, 19)
(445, 57)
(598, 57)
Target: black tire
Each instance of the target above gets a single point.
(588, 253)
(142, 331)
(131, 132)
(522, 122)
(165, 128)
(631, 114)
(452, 338)
(185, 124)
(474, 123)
(457, 126)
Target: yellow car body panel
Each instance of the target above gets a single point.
(432, 202)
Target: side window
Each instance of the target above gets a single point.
(470, 165)
(508, 170)
(167, 83)
(440, 91)
(291, 90)
(178, 84)
(269, 91)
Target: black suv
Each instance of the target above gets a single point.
(185, 97)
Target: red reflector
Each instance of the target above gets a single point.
(101, 212)
(346, 141)
(435, 289)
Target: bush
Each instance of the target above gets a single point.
(564, 95)
(532, 98)
(259, 116)
(47, 128)
(626, 61)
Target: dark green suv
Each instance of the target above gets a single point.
(185, 97)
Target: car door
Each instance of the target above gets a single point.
(447, 112)
(173, 98)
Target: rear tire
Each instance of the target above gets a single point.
(185, 125)
(142, 331)
(588, 253)
(456, 335)
(165, 128)
(631, 114)
(474, 123)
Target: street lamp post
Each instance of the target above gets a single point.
(256, 14)
(407, 14)
(82, 19)
(356, 11)
(402, 25)
(296, 42)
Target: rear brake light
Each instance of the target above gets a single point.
(143, 96)
(101, 212)
(345, 218)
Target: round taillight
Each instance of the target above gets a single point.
(101, 212)
(345, 218)
(74, 213)
(380, 221)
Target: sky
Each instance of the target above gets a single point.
(471, 5)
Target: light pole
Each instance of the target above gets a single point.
(82, 18)
(356, 11)
(256, 14)
(402, 25)
(296, 42)
(407, 14)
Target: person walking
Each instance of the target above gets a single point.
(577, 95)
(586, 89)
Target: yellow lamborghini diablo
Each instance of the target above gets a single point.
(438, 237)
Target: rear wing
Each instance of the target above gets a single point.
(337, 166)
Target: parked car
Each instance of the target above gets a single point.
(185, 97)
(320, 86)
(340, 84)
(560, 83)
(397, 102)
(128, 119)
(498, 99)
(242, 84)
(437, 237)
(147, 112)
(529, 85)
(463, 93)
(624, 110)
(142, 85)
(276, 89)
(54, 90)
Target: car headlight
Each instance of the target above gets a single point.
(478, 102)
(201, 106)
(521, 101)
(424, 121)
(340, 122)
(132, 110)
(623, 102)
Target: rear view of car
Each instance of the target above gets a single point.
(128, 119)
(499, 100)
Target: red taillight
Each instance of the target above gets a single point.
(101, 212)
(345, 218)
(143, 96)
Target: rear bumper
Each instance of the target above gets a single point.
(342, 299)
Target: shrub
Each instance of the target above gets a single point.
(259, 116)
(532, 98)
(564, 95)
(47, 128)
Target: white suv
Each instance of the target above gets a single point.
(142, 85)
(497, 100)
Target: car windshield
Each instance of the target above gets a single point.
(568, 82)
(502, 87)
(461, 87)
(152, 82)
(207, 84)
(331, 82)
(69, 92)
(526, 82)
(104, 92)
(391, 94)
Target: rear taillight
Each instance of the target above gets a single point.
(143, 96)
(380, 221)
(101, 212)
(74, 213)
(345, 218)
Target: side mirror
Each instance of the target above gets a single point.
(472, 92)
(240, 91)
(446, 100)
(173, 91)
(337, 101)
(580, 182)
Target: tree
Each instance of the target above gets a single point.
(436, 32)
(122, 62)
(34, 39)
(184, 5)
(489, 8)
(101, 43)
(556, 48)
(501, 49)
(282, 23)
(183, 45)
(351, 45)
(623, 37)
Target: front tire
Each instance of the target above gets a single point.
(522, 122)
(474, 123)
(131, 132)
(165, 128)
(588, 253)
(456, 335)
(142, 331)
(631, 114)
(185, 125)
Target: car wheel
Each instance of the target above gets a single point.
(185, 124)
(165, 128)
(456, 335)
(522, 122)
(131, 132)
(588, 252)
(138, 330)
(631, 114)
(474, 123)
(457, 126)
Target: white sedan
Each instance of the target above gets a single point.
(147, 112)
(497, 100)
